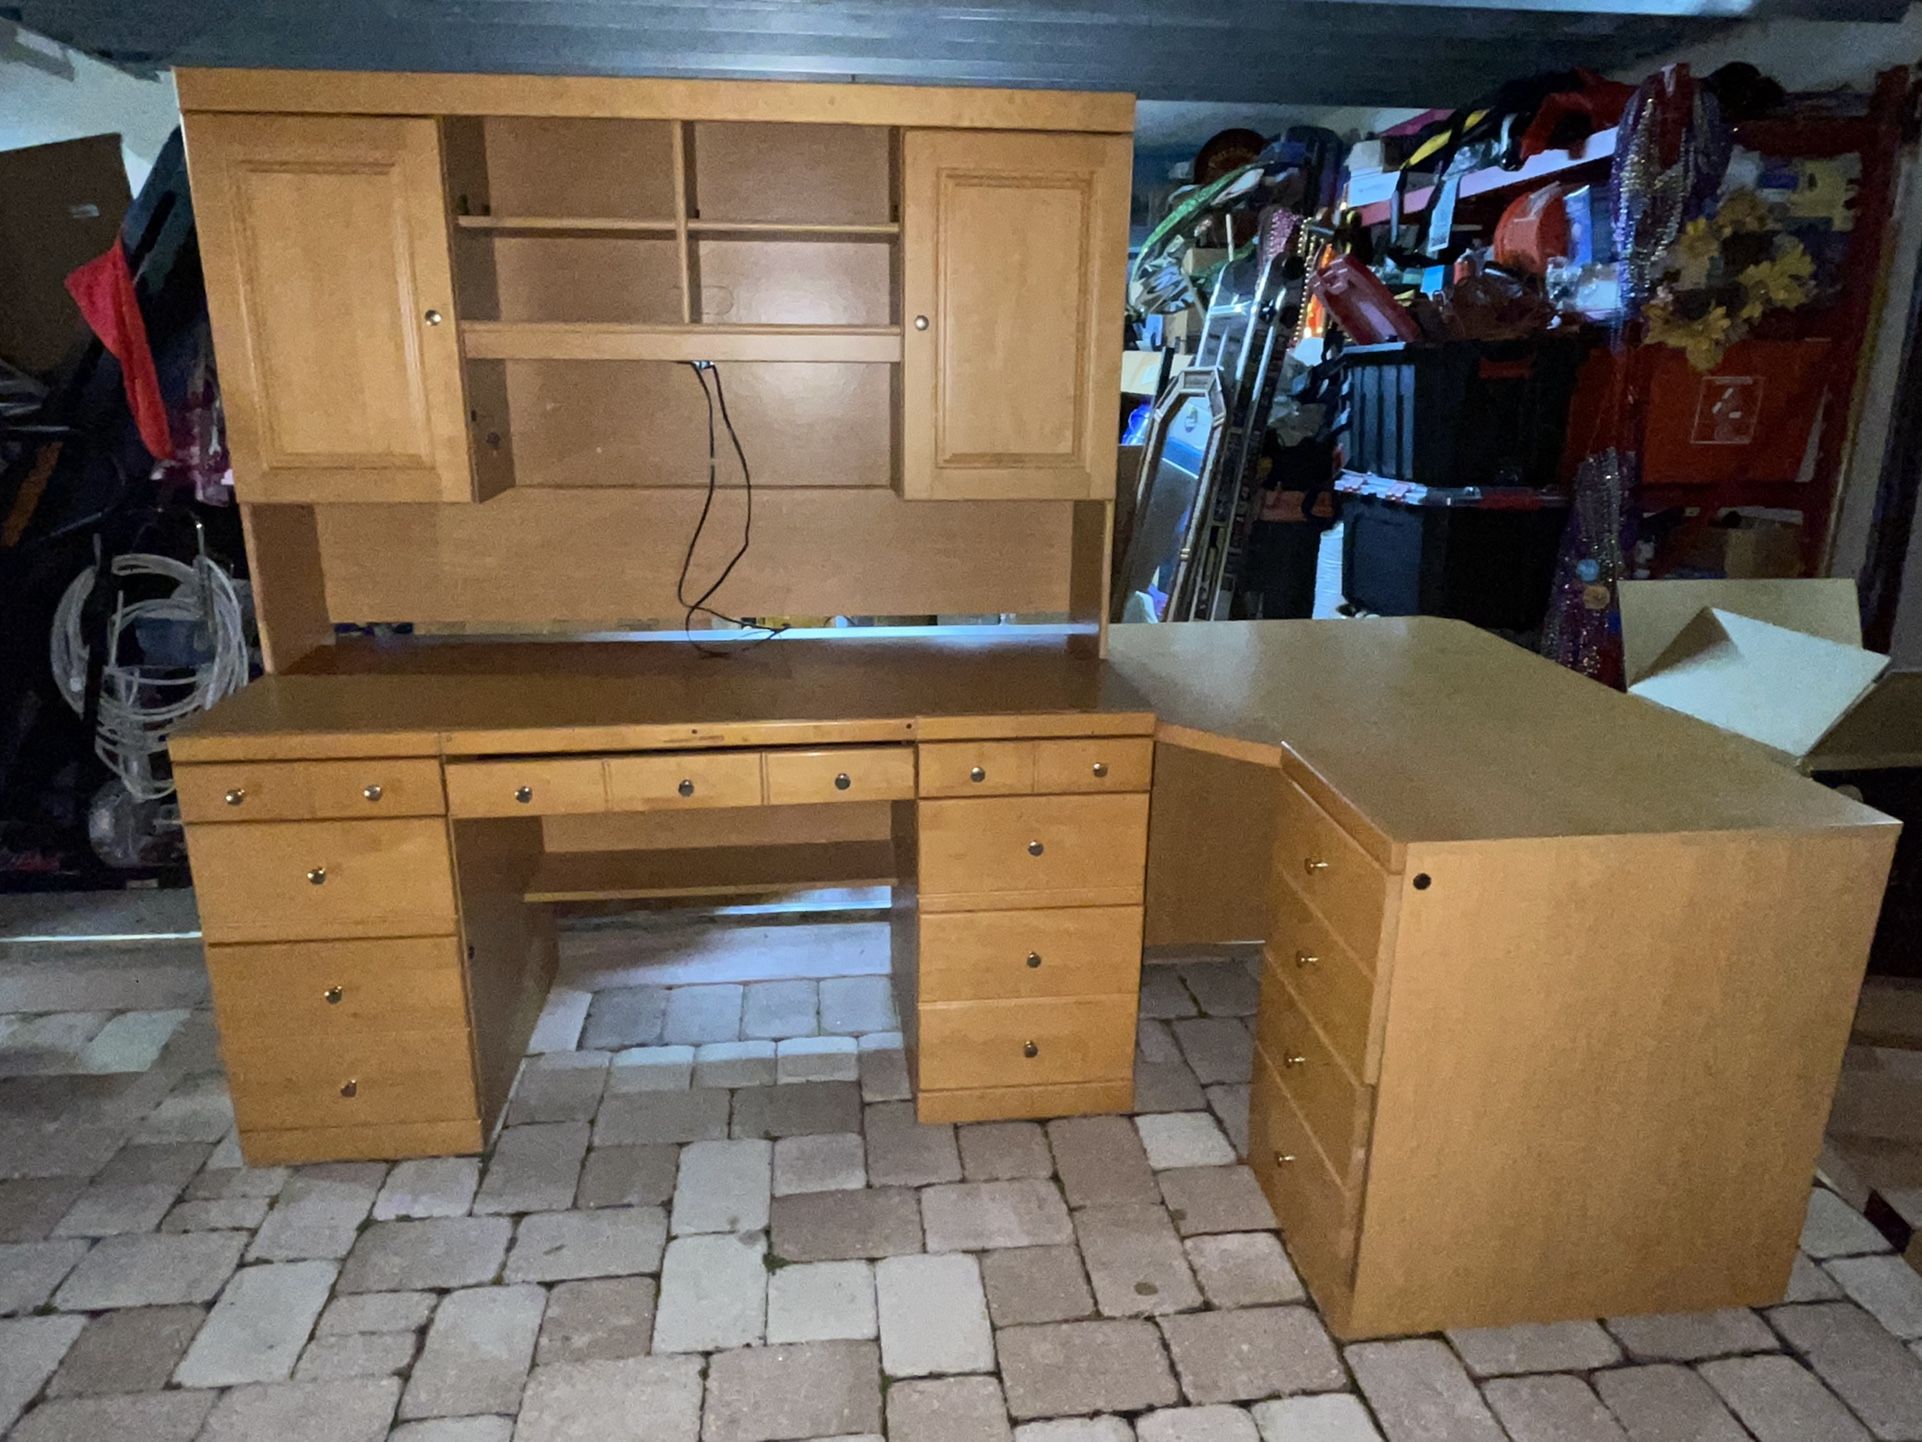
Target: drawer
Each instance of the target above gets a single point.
(1337, 991)
(1335, 1108)
(392, 1077)
(977, 768)
(1318, 1215)
(1026, 1043)
(319, 880)
(308, 790)
(1329, 867)
(1033, 851)
(845, 773)
(536, 786)
(331, 990)
(687, 781)
(1069, 951)
(1109, 763)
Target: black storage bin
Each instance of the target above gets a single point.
(1460, 413)
(1407, 551)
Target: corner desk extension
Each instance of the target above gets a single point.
(1555, 984)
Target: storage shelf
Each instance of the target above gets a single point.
(563, 225)
(1494, 180)
(584, 340)
(709, 871)
(784, 230)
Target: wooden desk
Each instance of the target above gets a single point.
(1556, 983)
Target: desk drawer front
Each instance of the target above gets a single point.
(1318, 1215)
(1047, 850)
(1336, 1109)
(684, 781)
(318, 880)
(335, 990)
(1109, 763)
(845, 773)
(304, 790)
(394, 1077)
(1027, 1043)
(1329, 867)
(1336, 990)
(531, 787)
(1069, 951)
(977, 768)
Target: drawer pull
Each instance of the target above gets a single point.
(1284, 1159)
(686, 788)
(1101, 768)
(523, 794)
(1035, 848)
(1034, 961)
(1030, 1049)
(333, 995)
(1293, 1061)
(235, 796)
(317, 876)
(372, 793)
(977, 773)
(1314, 864)
(350, 1088)
(1305, 959)
(841, 782)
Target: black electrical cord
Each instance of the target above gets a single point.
(700, 603)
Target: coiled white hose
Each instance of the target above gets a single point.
(141, 704)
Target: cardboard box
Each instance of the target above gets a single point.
(1752, 550)
(1777, 662)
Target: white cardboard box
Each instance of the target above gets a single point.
(1779, 662)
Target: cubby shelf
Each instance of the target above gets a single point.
(565, 225)
(787, 230)
(587, 340)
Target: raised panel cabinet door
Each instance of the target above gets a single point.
(325, 245)
(1013, 262)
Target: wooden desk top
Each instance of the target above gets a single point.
(466, 699)
(1431, 730)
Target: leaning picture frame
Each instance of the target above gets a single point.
(1179, 454)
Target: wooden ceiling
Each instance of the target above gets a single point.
(1306, 52)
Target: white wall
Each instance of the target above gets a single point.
(48, 92)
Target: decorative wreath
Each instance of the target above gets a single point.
(1722, 275)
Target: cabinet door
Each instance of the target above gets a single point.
(325, 245)
(1013, 263)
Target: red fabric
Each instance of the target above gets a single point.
(103, 289)
(1596, 106)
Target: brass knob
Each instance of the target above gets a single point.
(841, 782)
(372, 793)
(686, 788)
(1313, 864)
(1035, 848)
(975, 773)
(1030, 1049)
(350, 1087)
(333, 995)
(1284, 1159)
(523, 794)
(1034, 961)
(317, 875)
(433, 317)
(920, 322)
(1101, 768)
(236, 796)
(1304, 960)
(1291, 1062)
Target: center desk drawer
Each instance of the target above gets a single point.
(304, 790)
(1026, 1043)
(684, 781)
(1033, 850)
(1336, 1108)
(328, 990)
(533, 786)
(390, 1077)
(843, 773)
(1328, 866)
(316, 880)
(1066, 951)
